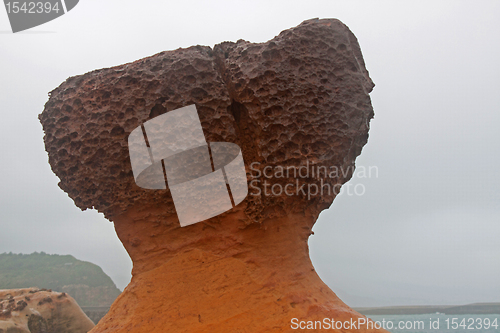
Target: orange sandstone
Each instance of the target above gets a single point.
(298, 100)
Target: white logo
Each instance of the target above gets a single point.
(205, 179)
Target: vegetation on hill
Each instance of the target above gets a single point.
(84, 281)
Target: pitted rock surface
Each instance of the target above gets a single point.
(33, 310)
(299, 98)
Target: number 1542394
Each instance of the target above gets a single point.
(26, 7)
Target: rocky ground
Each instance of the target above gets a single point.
(34, 310)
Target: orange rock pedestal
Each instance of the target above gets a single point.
(222, 276)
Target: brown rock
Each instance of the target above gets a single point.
(42, 311)
(298, 101)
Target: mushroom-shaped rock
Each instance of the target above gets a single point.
(297, 106)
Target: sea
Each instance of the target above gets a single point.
(438, 323)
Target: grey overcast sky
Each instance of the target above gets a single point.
(426, 229)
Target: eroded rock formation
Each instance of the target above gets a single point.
(299, 100)
(34, 310)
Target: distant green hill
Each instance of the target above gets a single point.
(84, 281)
